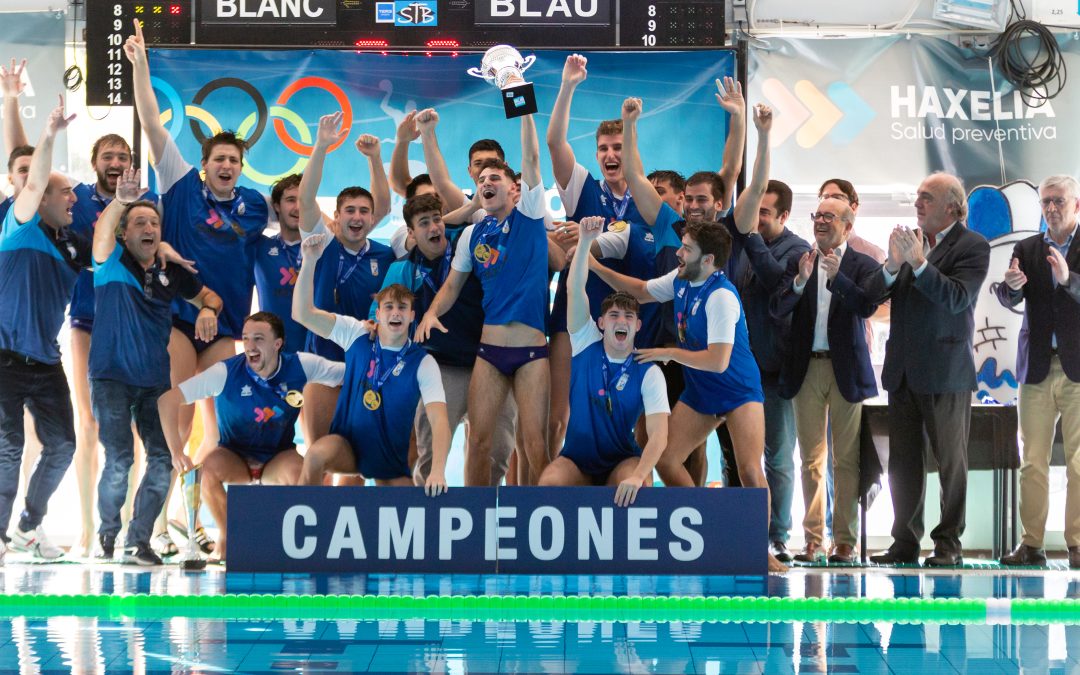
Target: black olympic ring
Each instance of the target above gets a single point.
(260, 106)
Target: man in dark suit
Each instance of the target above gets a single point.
(932, 275)
(1045, 275)
(827, 371)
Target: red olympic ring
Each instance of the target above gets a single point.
(333, 90)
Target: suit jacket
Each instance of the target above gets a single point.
(933, 316)
(757, 275)
(848, 309)
(1047, 310)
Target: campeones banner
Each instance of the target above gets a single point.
(275, 99)
(921, 102)
(497, 530)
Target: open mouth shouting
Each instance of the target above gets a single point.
(621, 335)
(254, 359)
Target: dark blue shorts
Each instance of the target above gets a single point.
(507, 360)
(188, 329)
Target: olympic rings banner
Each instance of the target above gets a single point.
(275, 99)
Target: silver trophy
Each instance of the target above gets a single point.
(503, 67)
(189, 483)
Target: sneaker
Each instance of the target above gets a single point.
(3, 551)
(779, 551)
(141, 555)
(35, 542)
(164, 545)
(108, 547)
(206, 544)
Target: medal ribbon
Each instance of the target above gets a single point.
(617, 205)
(684, 315)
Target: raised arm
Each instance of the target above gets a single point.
(145, 101)
(37, 180)
(730, 97)
(329, 132)
(369, 147)
(530, 153)
(577, 301)
(620, 282)
(12, 86)
(746, 210)
(646, 198)
(127, 191)
(562, 155)
(399, 158)
(304, 310)
(426, 121)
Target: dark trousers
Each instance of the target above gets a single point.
(116, 406)
(43, 390)
(943, 420)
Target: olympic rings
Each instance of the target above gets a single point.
(305, 136)
(333, 90)
(196, 116)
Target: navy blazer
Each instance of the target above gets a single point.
(933, 316)
(848, 310)
(1047, 310)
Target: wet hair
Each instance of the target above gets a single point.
(609, 128)
(712, 238)
(395, 293)
(287, 183)
(352, 193)
(277, 326)
(621, 300)
(672, 178)
(108, 139)
(486, 145)
(420, 204)
(845, 186)
(223, 138)
(121, 226)
(415, 183)
(498, 164)
(20, 151)
(783, 195)
(712, 179)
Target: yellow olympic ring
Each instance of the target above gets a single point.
(201, 114)
(296, 121)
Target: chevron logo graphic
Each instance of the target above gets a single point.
(811, 115)
(266, 414)
(288, 276)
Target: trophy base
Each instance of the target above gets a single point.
(519, 100)
(193, 565)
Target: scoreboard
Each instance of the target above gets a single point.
(432, 26)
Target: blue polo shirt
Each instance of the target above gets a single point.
(38, 268)
(131, 342)
(84, 216)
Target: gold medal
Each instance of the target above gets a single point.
(617, 226)
(372, 400)
(482, 253)
(294, 398)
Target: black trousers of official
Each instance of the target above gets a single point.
(943, 420)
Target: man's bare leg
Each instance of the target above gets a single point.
(532, 391)
(488, 388)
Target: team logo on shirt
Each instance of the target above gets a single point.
(273, 251)
(288, 276)
(266, 414)
(245, 390)
(482, 253)
(162, 278)
(617, 226)
(649, 237)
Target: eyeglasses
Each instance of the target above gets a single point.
(1059, 202)
(826, 218)
(148, 281)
